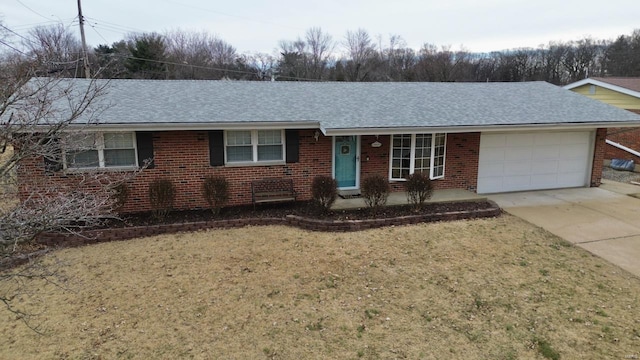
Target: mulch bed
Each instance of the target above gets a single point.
(300, 214)
(301, 208)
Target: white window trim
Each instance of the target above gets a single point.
(413, 156)
(254, 150)
(99, 139)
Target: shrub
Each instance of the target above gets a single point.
(419, 189)
(375, 190)
(162, 193)
(120, 195)
(215, 190)
(324, 191)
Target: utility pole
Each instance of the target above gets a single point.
(85, 59)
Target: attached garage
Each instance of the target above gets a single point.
(534, 160)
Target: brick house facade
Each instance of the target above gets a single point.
(183, 157)
(481, 137)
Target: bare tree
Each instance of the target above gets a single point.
(294, 61)
(363, 59)
(38, 116)
(263, 65)
(444, 64)
(56, 50)
(320, 46)
(399, 60)
(581, 58)
(198, 55)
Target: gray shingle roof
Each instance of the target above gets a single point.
(339, 105)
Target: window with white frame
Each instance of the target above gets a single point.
(254, 146)
(412, 153)
(101, 150)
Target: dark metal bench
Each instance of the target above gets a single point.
(272, 190)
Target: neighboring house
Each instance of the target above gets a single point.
(621, 92)
(484, 137)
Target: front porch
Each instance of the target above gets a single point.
(400, 198)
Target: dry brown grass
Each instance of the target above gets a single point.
(484, 289)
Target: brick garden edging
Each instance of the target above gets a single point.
(126, 233)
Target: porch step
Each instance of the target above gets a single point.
(349, 194)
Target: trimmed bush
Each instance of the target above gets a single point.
(120, 195)
(375, 191)
(215, 190)
(324, 191)
(162, 194)
(419, 189)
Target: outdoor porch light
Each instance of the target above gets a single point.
(316, 135)
(376, 144)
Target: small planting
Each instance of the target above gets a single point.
(324, 191)
(162, 194)
(119, 195)
(419, 189)
(375, 191)
(215, 190)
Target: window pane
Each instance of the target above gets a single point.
(269, 137)
(81, 141)
(238, 137)
(82, 158)
(439, 150)
(269, 152)
(81, 151)
(120, 157)
(401, 156)
(118, 141)
(239, 153)
(423, 153)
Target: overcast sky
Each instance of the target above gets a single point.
(258, 26)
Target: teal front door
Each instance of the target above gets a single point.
(346, 161)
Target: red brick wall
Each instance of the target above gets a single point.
(183, 157)
(629, 137)
(461, 161)
(598, 157)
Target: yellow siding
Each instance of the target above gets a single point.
(610, 97)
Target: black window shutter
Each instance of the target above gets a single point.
(53, 162)
(145, 148)
(293, 146)
(216, 148)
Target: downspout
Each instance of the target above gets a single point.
(622, 147)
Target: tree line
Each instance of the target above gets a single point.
(317, 56)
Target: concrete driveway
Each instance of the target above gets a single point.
(605, 221)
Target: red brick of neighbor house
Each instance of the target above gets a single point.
(629, 137)
(183, 157)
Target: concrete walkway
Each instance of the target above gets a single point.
(400, 198)
(605, 221)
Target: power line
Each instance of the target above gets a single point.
(94, 29)
(113, 25)
(33, 11)
(10, 46)
(29, 26)
(209, 67)
(15, 33)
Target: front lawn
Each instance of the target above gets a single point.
(483, 289)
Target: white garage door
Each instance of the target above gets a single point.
(533, 161)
